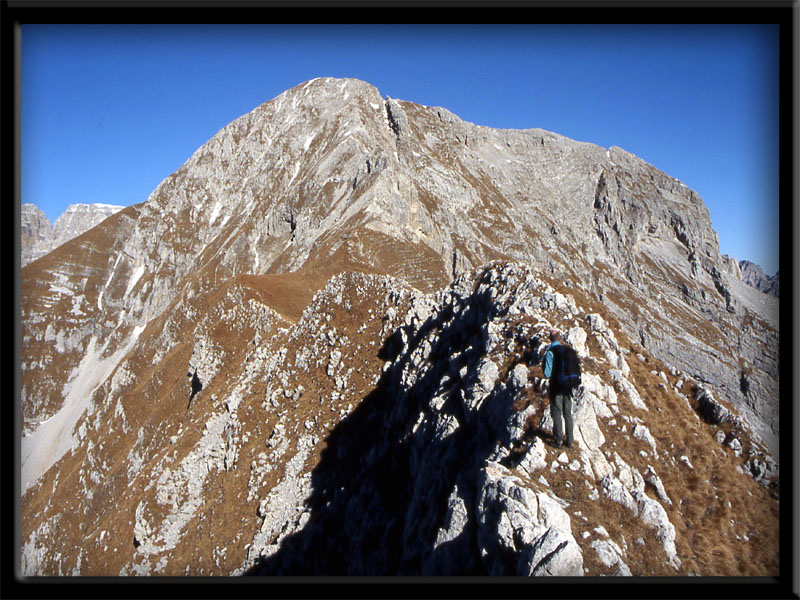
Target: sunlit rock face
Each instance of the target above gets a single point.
(313, 350)
(79, 218)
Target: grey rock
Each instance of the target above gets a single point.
(530, 527)
(519, 377)
(534, 457)
(39, 238)
(610, 554)
(613, 489)
(654, 515)
(731, 266)
(36, 233)
(79, 218)
(763, 471)
(735, 445)
(640, 432)
(618, 377)
(629, 476)
(653, 479)
(754, 276)
(588, 434)
(711, 410)
(576, 337)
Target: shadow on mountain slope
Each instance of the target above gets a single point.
(381, 490)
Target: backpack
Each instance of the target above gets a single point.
(567, 367)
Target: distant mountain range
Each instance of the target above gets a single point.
(38, 237)
(314, 350)
(753, 275)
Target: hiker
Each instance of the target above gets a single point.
(562, 367)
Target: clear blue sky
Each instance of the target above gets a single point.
(109, 111)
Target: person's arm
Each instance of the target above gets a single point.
(548, 363)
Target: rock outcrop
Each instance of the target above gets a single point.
(429, 462)
(79, 218)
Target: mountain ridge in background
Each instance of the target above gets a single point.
(38, 237)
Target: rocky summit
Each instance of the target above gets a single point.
(315, 349)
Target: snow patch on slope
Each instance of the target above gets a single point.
(137, 274)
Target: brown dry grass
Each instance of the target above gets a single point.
(707, 497)
(287, 293)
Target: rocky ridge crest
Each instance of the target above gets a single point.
(391, 431)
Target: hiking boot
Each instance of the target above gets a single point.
(568, 444)
(557, 443)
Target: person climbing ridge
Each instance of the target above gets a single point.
(562, 367)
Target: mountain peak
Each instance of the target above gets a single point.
(337, 287)
(327, 94)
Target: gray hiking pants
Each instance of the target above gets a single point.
(561, 405)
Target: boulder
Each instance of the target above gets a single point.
(640, 432)
(653, 479)
(534, 457)
(521, 531)
(654, 515)
(628, 475)
(619, 378)
(612, 488)
(576, 337)
(711, 410)
(610, 554)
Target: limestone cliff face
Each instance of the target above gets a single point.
(205, 291)
(79, 218)
(36, 233)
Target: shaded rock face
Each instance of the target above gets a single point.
(190, 405)
(39, 238)
(423, 487)
(754, 276)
